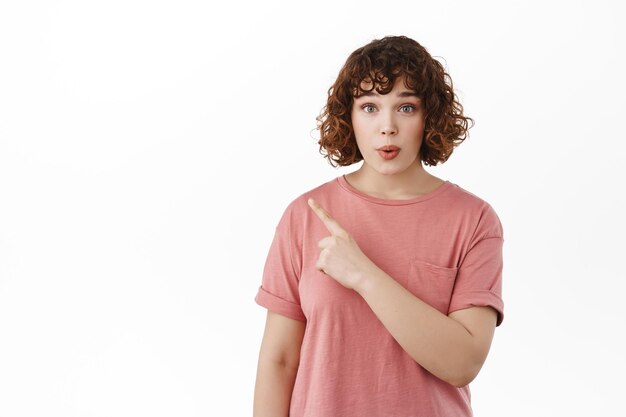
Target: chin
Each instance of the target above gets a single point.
(392, 170)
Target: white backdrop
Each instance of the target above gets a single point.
(148, 149)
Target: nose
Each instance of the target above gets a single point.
(388, 131)
(388, 126)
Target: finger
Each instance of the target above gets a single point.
(326, 241)
(331, 224)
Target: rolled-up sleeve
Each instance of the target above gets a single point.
(279, 290)
(479, 278)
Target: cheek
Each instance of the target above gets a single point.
(416, 127)
(358, 124)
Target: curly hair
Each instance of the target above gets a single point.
(384, 60)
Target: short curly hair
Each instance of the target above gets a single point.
(384, 60)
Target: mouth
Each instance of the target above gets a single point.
(388, 154)
(389, 148)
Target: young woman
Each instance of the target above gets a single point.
(383, 286)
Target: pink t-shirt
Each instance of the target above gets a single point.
(445, 247)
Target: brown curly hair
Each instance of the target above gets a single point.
(383, 60)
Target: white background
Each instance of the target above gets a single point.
(148, 149)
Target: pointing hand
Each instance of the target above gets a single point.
(340, 257)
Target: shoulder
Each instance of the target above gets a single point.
(299, 205)
(480, 212)
(297, 208)
(466, 198)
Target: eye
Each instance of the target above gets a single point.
(365, 106)
(410, 106)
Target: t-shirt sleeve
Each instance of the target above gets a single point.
(479, 278)
(281, 274)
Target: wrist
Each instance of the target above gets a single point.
(365, 278)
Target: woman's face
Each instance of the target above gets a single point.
(396, 119)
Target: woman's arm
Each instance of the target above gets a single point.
(278, 365)
(452, 349)
(272, 392)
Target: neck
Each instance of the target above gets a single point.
(414, 180)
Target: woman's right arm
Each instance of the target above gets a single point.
(278, 365)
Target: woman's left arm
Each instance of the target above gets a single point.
(453, 347)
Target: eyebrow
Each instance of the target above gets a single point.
(401, 94)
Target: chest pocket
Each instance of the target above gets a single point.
(431, 283)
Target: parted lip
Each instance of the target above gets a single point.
(389, 148)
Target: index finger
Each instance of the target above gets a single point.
(331, 224)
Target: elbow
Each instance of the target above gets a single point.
(468, 371)
(461, 382)
(465, 378)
